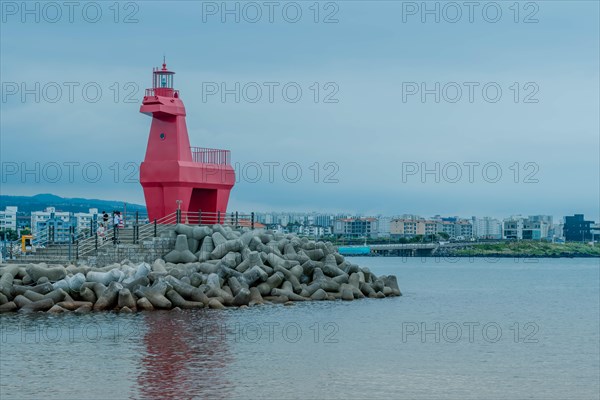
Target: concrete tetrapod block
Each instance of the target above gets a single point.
(40, 305)
(56, 309)
(242, 298)
(159, 265)
(287, 293)
(96, 287)
(200, 232)
(354, 280)
(70, 283)
(290, 277)
(193, 244)
(88, 295)
(206, 249)
(53, 274)
(225, 296)
(108, 299)
(315, 255)
(330, 267)
(234, 285)
(43, 288)
(144, 304)
(180, 302)
(21, 301)
(126, 299)
(392, 282)
(181, 287)
(74, 305)
(33, 296)
(229, 246)
(367, 290)
(155, 294)
(143, 281)
(319, 294)
(57, 295)
(216, 304)
(343, 278)
(274, 281)
(183, 229)
(218, 239)
(8, 307)
(196, 279)
(105, 278)
(199, 296)
(347, 291)
(84, 309)
(377, 285)
(255, 297)
(251, 276)
(213, 281)
(182, 253)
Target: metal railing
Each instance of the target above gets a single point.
(46, 245)
(165, 92)
(84, 245)
(211, 156)
(153, 229)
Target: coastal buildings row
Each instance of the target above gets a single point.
(59, 224)
(535, 227)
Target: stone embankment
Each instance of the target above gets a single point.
(215, 267)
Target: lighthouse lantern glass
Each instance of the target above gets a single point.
(163, 81)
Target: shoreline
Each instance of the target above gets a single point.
(480, 256)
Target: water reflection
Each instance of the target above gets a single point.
(186, 356)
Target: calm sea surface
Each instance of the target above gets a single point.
(470, 329)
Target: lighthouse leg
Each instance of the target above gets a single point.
(154, 202)
(172, 195)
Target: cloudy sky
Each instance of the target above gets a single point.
(355, 106)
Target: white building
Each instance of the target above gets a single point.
(487, 228)
(384, 226)
(521, 228)
(314, 231)
(8, 218)
(39, 219)
(83, 221)
(557, 232)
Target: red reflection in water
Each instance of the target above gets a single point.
(186, 356)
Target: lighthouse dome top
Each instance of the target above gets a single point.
(164, 69)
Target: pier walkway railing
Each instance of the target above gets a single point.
(44, 249)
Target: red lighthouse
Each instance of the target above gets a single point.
(173, 174)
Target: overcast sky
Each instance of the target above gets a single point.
(499, 103)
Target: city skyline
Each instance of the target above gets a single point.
(398, 213)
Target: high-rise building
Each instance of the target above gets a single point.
(512, 228)
(39, 219)
(487, 228)
(577, 229)
(356, 227)
(401, 227)
(8, 218)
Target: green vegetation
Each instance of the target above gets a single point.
(530, 249)
(8, 234)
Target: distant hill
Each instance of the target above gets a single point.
(39, 202)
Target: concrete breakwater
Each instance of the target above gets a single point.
(215, 267)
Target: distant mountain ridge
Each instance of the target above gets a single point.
(39, 202)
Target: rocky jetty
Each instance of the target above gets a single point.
(215, 267)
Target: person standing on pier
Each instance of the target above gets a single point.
(116, 222)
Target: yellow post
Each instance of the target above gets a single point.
(26, 245)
